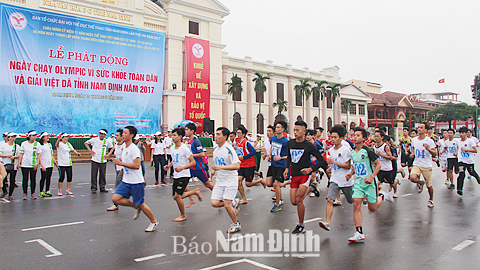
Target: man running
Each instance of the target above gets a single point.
(226, 185)
(452, 161)
(423, 148)
(197, 150)
(278, 158)
(442, 152)
(385, 157)
(298, 164)
(99, 150)
(466, 159)
(366, 167)
(405, 143)
(118, 148)
(132, 181)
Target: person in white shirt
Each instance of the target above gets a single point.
(226, 185)
(452, 161)
(132, 184)
(423, 148)
(169, 145)
(9, 152)
(99, 150)
(28, 161)
(5, 139)
(466, 159)
(45, 153)
(159, 154)
(442, 149)
(118, 148)
(182, 161)
(64, 159)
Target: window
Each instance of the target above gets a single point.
(298, 99)
(353, 109)
(299, 118)
(260, 122)
(259, 97)
(193, 27)
(378, 114)
(371, 115)
(344, 109)
(237, 96)
(280, 91)
(361, 109)
(315, 100)
(329, 100)
(237, 120)
(316, 122)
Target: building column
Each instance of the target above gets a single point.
(249, 100)
(225, 112)
(324, 116)
(291, 102)
(271, 100)
(307, 115)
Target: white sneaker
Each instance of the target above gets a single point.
(59, 193)
(357, 237)
(387, 197)
(137, 214)
(281, 202)
(234, 227)
(312, 194)
(69, 192)
(430, 204)
(395, 195)
(151, 227)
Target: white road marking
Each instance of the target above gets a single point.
(149, 257)
(240, 261)
(408, 194)
(463, 245)
(58, 197)
(83, 184)
(5, 200)
(47, 246)
(312, 220)
(52, 226)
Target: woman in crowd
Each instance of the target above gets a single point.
(28, 161)
(64, 149)
(142, 149)
(9, 152)
(47, 160)
(159, 154)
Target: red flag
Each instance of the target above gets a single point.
(376, 121)
(466, 124)
(454, 124)
(441, 80)
(361, 122)
(393, 122)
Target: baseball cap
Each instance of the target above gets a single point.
(12, 134)
(102, 132)
(158, 133)
(43, 134)
(31, 133)
(65, 135)
(5, 133)
(137, 137)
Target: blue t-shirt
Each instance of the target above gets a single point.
(196, 147)
(279, 149)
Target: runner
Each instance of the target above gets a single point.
(159, 154)
(246, 152)
(385, 157)
(442, 152)
(466, 159)
(9, 152)
(182, 161)
(198, 153)
(132, 183)
(405, 143)
(100, 146)
(310, 136)
(141, 147)
(477, 143)
(226, 185)
(452, 161)
(388, 140)
(340, 173)
(169, 144)
(366, 167)
(28, 161)
(422, 149)
(278, 158)
(298, 164)
(45, 154)
(64, 158)
(268, 147)
(118, 148)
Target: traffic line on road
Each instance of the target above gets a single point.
(58, 197)
(257, 264)
(46, 246)
(83, 184)
(408, 194)
(463, 245)
(151, 257)
(312, 220)
(52, 226)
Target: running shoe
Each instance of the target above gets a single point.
(357, 237)
(419, 188)
(387, 197)
(34, 197)
(151, 227)
(42, 195)
(137, 214)
(299, 229)
(103, 191)
(112, 207)
(430, 204)
(452, 186)
(3, 195)
(459, 192)
(338, 203)
(273, 189)
(164, 183)
(234, 227)
(447, 182)
(281, 202)
(69, 192)
(314, 189)
(402, 172)
(274, 198)
(276, 208)
(261, 174)
(48, 194)
(237, 206)
(395, 195)
(324, 225)
(312, 194)
(10, 198)
(437, 162)
(60, 192)
(24, 197)
(156, 183)
(398, 182)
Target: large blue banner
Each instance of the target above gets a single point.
(60, 73)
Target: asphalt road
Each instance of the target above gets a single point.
(400, 235)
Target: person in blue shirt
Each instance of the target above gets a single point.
(278, 158)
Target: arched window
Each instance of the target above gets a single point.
(299, 118)
(237, 120)
(329, 100)
(329, 123)
(280, 117)
(316, 122)
(298, 100)
(260, 124)
(280, 91)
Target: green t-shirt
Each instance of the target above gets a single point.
(363, 164)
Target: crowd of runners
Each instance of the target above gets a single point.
(360, 166)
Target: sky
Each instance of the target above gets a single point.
(407, 46)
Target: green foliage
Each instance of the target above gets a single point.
(234, 87)
(304, 91)
(282, 105)
(452, 112)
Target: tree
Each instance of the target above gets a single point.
(260, 86)
(282, 105)
(303, 90)
(451, 112)
(476, 96)
(333, 93)
(319, 93)
(234, 87)
(347, 104)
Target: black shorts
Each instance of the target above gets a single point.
(404, 159)
(277, 174)
(386, 177)
(410, 162)
(269, 171)
(247, 173)
(179, 185)
(452, 163)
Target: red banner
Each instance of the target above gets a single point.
(197, 97)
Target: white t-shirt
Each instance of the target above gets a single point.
(179, 159)
(131, 176)
(158, 148)
(441, 146)
(267, 147)
(224, 156)
(29, 151)
(475, 140)
(466, 156)
(451, 148)
(64, 157)
(168, 142)
(100, 147)
(118, 153)
(423, 158)
(46, 154)
(385, 163)
(338, 176)
(6, 149)
(346, 144)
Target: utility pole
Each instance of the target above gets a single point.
(475, 88)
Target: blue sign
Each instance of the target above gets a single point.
(60, 73)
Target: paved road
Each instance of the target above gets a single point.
(405, 234)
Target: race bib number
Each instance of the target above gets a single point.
(175, 158)
(296, 155)
(220, 161)
(361, 169)
(380, 158)
(465, 154)
(240, 151)
(276, 151)
(452, 149)
(419, 153)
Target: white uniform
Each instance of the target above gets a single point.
(451, 148)
(338, 176)
(466, 157)
(179, 159)
(46, 154)
(100, 147)
(118, 153)
(64, 158)
(29, 151)
(158, 148)
(423, 158)
(13, 150)
(443, 157)
(385, 163)
(226, 184)
(131, 176)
